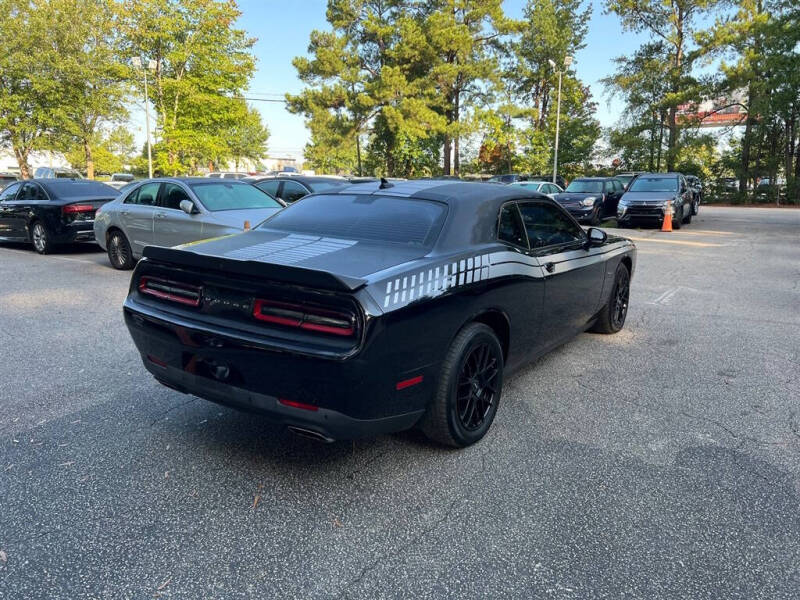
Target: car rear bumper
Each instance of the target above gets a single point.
(82, 231)
(336, 399)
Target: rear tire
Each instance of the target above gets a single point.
(40, 238)
(612, 317)
(119, 251)
(469, 388)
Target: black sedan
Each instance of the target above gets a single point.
(651, 195)
(378, 307)
(47, 212)
(592, 199)
(290, 188)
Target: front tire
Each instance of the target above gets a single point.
(595, 220)
(119, 251)
(677, 220)
(40, 238)
(612, 317)
(468, 391)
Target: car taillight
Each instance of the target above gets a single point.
(173, 291)
(310, 318)
(77, 208)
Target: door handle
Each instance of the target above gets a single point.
(550, 267)
(126, 213)
(161, 215)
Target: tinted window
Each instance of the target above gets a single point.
(546, 225)
(585, 186)
(359, 217)
(510, 228)
(232, 195)
(171, 196)
(324, 186)
(31, 191)
(64, 188)
(145, 195)
(9, 192)
(643, 183)
(293, 191)
(271, 186)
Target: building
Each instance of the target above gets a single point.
(8, 162)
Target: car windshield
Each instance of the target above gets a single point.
(231, 195)
(64, 188)
(654, 184)
(585, 186)
(528, 184)
(363, 218)
(503, 178)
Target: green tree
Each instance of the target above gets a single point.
(113, 151)
(673, 23)
(203, 65)
(91, 73)
(29, 90)
(247, 138)
(464, 39)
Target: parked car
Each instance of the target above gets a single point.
(120, 180)
(47, 212)
(226, 175)
(591, 199)
(543, 187)
(560, 181)
(626, 178)
(172, 211)
(508, 178)
(377, 307)
(730, 184)
(290, 188)
(696, 186)
(650, 195)
(7, 179)
(56, 173)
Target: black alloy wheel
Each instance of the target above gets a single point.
(119, 251)
(469, 388)
(622, 290)
(611, 318)
(477, 386)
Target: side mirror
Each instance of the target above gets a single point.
(597, 237)
(188, 207)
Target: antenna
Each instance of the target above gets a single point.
(385, 184)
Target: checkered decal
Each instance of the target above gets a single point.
(436, 280)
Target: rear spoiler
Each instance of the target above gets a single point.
(256, 269)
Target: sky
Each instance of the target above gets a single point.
(282, 30)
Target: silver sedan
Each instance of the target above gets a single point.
(174, 211)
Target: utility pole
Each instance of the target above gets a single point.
(151, 65)
(567, 63)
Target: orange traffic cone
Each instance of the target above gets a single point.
(666, 225)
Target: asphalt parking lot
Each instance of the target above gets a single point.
(663, 462)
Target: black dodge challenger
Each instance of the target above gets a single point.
(378, 307)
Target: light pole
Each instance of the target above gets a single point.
(151, 64)
(567, 63)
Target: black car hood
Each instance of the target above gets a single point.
(647, 197)
(576, 197)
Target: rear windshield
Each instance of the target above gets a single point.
(66, 188)
(585, 186)
(654, 184)
(363, 218)
(231, 195)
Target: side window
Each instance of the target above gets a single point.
(293, 191)
(172, 195)
(9, 192)
(510, 227)
(547, 225)
(618, 185)
(552, 188)
(31, 191)
(270, 186)
(147, 194)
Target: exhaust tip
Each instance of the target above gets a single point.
(310, 434)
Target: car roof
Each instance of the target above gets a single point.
(593, 178)
(301, 178)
